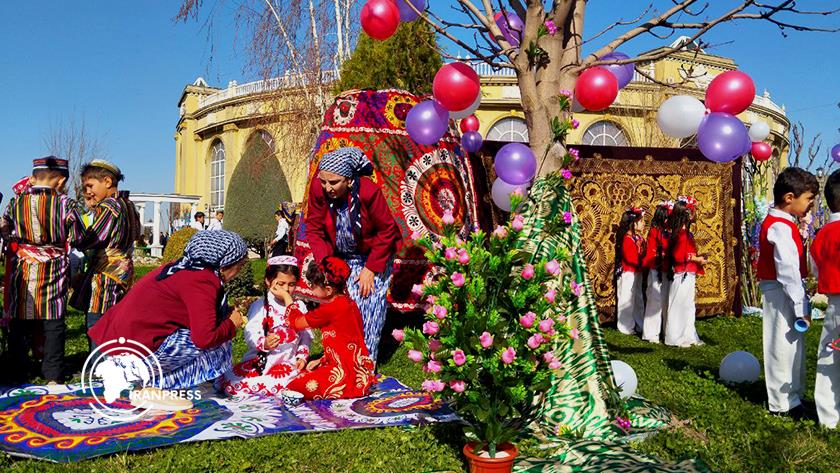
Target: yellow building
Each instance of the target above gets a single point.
(216, 125)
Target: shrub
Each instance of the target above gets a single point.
(177, 244)
(243, 284)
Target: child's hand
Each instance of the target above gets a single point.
(283, 294)
(272, 341)
(313, 364)
(300, 364)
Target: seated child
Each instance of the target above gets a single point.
(346, 369)
(276, 352)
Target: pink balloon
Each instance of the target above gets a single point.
(456, 86)
(596, 88)
(761, 151)
(731, 92)
(470, 123)
(380, 18)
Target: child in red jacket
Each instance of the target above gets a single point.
(684, 265)
(628, 271)
(655, 261)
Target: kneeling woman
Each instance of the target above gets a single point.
(180, 312)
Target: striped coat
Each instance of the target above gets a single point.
(42, 224)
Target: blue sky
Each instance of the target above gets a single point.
(122, 66)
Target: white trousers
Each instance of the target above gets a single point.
(784, 350)
(679, 328)
(630, 303)
(657, 305)
(827, 389)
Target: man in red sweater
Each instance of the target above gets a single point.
(825, 253)
(781, 268)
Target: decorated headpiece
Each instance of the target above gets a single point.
(49, 163)
(335, 270)
(22, 185)
(348, 162)
(102, 164)
(689, 202)
(636, 211)
(668, 204)
(287, 260)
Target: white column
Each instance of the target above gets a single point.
(141, 210)
(193, 210)
(157, 249)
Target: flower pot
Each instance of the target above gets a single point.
(480, 464)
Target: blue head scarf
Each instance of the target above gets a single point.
(351, 163)
(208, 249)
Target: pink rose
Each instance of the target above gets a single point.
(431, 328)
(548, 357)
(551, 27)
(550, 295)
(561, 319)
(440, 312)
(431, 299)
(450, 253)
(433, 385)
(534, 341)
(528, 319)
(566, 93)
(566, 174)
(577, 289)
(415, 356)
(434, 345)
(552, 267)
(518, 223)
(555, 365)
(508, 356)
(436, 245)
(517, 192)
(463, 257)
(575, 153)
(459, 357)
(575, 124)
(458, 386)
(398, 335)
(486, 340)
(567, 217)
(448, 218)
(574, 333)
(415, 235)
(417, 290)
(458, 279)
(528, 272)
(433, 366)
(545, 325)
(500, 232)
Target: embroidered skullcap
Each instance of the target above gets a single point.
(335, 270)
(108, 166)
(287, 260)
(214, 249)
(49, 162)
(348, 162)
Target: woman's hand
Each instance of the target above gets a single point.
(272, 341)
(366, 282)
(313, 364)
(300, 364)
(237, 318)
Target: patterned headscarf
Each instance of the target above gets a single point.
(351, 163)
(208, 249)
(286, 260)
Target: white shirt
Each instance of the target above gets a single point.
(215, 224)
(282, 229)
(786, 257)
(197, 225)
(834, 217)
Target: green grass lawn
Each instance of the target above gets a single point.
(727, 427)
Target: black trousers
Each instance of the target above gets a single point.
(21, 340)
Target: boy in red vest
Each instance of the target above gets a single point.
(781, 268)
(825, 254)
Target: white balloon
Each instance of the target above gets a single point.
(680, 116)
(501, 193)
(759, 131)
(739, 367)
(625, 378)
(467, 111)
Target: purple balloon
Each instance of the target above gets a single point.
(513, 30)
(721, 137)
(471, 141)
(623, 72)
(427, 122)
(835, 153)
(515, 164)
(407, 13)
(500, 193)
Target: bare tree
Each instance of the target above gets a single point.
(71, 139)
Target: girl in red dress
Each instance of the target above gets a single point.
(346, 369)
(655, 261)
(685, 265)
(629, 244)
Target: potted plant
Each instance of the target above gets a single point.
(494, 321)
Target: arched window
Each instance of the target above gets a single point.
(509, 129)
(269, 140)
(605, 133)
(217, 175)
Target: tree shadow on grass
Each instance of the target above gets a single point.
(395, 320)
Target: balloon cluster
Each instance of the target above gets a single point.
(721, 136)
(381, 18)
(457, 95)
(597, 87)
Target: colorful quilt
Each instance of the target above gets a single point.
(419, 182)
(56, 423)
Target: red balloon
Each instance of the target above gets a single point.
(380, 18)
(761, 151)
(596, 88)
(470, 123)
(456, 86)
(731, 92)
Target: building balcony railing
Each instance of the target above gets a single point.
(287, 81)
